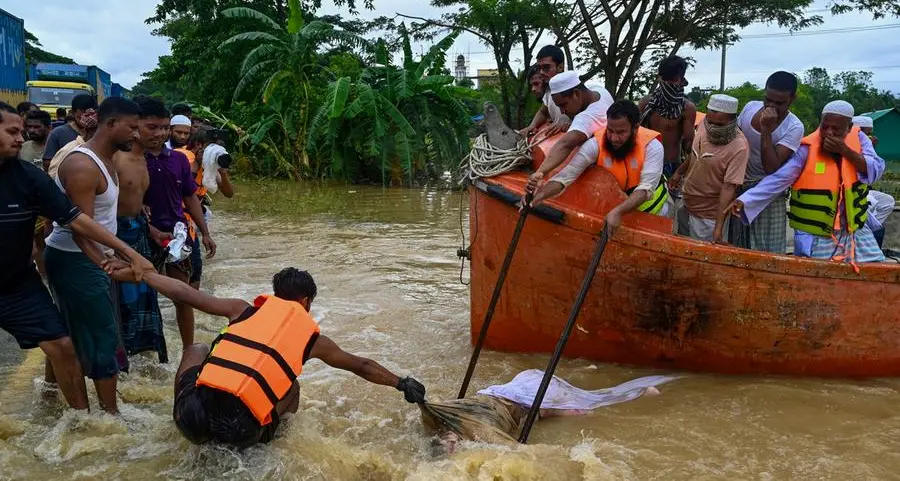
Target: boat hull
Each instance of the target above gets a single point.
(663, 301)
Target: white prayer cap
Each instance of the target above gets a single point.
(180, 120)
(564, 81)
(723, 103)
(863, 122)
(838, 107)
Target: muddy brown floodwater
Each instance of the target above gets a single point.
(385, 262)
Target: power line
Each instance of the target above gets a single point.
(830, 31)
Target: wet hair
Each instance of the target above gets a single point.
(151, 107)
(182, 109)
(39, 115)
(114, 107)
(532, 71)
(83, 102)
(190, 415)
(5, 107)
(553, 52)
(783, 82)
(624, 109)
(24, 107)
(293, 284)
(61, 113)
(672, 68)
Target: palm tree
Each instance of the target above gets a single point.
(281, 65)
(374, 118)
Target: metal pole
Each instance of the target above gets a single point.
(496, 296)
(724, 48)
(564, 338)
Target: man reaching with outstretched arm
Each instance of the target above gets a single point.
(586, 107)
(238, 391)
(633, 154)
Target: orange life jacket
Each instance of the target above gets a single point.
(825, 184)
(628, 172)
(200, 191)
(259, 358)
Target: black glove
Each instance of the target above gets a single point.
(413, 390)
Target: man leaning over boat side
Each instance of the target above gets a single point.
(712, 173)
(829, 178)
(633, 154)
(586, 107)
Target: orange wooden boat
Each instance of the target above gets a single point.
(664, 301)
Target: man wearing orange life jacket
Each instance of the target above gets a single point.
(829, 177)
(238, 392)
(633, 154)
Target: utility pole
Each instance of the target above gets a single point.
(724, 48)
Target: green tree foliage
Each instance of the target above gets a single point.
(817, 89)
(394, 122)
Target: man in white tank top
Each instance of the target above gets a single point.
(81, 288)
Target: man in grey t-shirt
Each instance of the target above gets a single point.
(64, 134)
(773, 134)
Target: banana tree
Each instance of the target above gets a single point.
(282, 67)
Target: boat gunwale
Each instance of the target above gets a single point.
(632, 234)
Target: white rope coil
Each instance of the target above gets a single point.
(486, 160)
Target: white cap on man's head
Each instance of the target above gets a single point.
(180, 120)
(838, 107)
(863, 122)
(564, 81)
(723, 103)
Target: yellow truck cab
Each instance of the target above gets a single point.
(54, 85)
(50, 95)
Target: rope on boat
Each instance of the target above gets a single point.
(486, 160)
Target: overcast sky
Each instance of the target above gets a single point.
(112, 35)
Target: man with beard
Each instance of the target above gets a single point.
(37, 126)
(587, 109)
(633, 154)
(61, 136)
(169, 196)
(26, 309)
(83, 290)
(829, 178)
(550, 61)
(180, 127)
(668, 111)
(713, 172)
(773, 134)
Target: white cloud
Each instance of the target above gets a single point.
(113, 35)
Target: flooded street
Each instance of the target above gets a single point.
(388, 277)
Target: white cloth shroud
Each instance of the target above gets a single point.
(211, 166)
(562, 395)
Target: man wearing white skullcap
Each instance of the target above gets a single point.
(712, 173)
(773, 134)
(586, 108)
(829, 179)
(632, 154)
(881, 205)
(179, 131)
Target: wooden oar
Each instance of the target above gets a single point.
(496, 296)
(564, 338)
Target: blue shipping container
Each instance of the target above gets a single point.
(118, 90)
(61, 72)
(12, 53)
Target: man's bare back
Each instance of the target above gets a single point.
(673, 130)
(133, 183)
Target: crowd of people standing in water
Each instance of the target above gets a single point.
(721, 175)
(109, 209)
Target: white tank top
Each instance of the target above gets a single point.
(105, 206)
